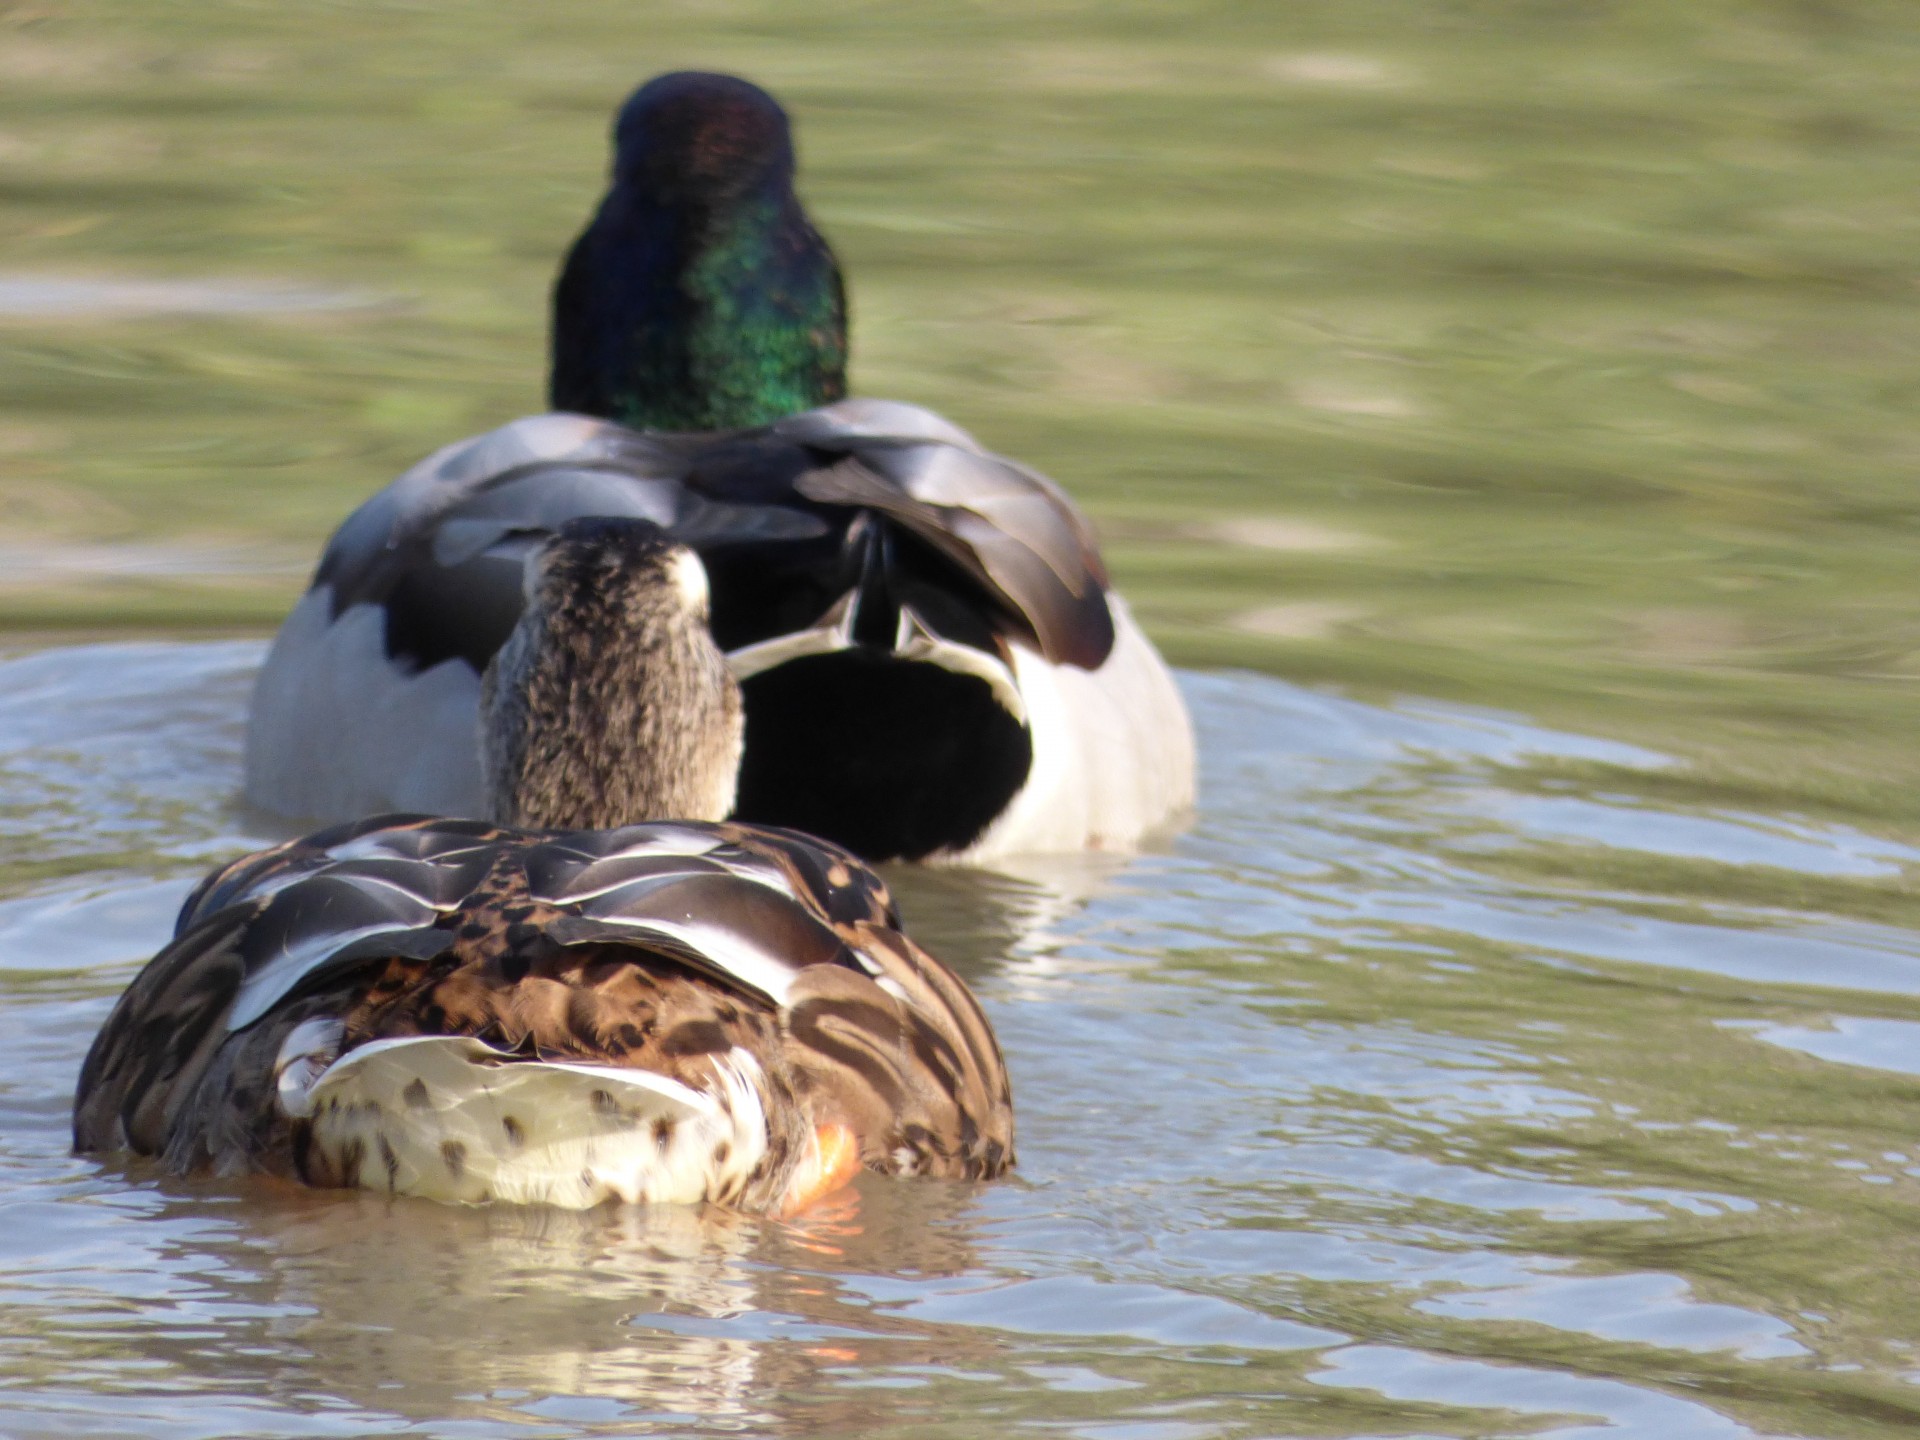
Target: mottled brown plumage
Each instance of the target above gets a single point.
(668, 1011)
(610, 702)
(761, 971)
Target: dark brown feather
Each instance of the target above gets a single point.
(868, 1031)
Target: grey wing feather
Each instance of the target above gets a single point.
(543, 499)
(322, 904)
(320, 924)
(1023, 503)
(443, 546)
(485, 480)
(677, 889)
(378, 838)
(1017, 535)
(1011, 527)
(574, 868)
(863, 418)
(750, 937)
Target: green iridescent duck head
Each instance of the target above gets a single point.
(700, 297)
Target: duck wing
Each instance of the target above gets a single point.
(775, 511)
(442, 550)
(895, 1046)
(1008, 528)
(255, 934)
(348, 965)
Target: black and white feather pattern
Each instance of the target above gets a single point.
(683, 965)
(932, 659)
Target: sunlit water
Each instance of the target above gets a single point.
(1332, 1122)
(1545, 1068)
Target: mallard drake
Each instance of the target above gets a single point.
(933, 662)
(669, 1011)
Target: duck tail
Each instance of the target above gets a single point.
(453, 1118)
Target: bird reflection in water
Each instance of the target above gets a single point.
(660, 1314)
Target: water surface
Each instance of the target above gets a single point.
(1506, 414)
(1335, 1119)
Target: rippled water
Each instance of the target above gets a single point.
(1547, 1067)
(1334, 1120)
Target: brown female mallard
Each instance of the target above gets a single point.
(675, 1010)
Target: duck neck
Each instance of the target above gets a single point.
(695, 315)
(596, 721)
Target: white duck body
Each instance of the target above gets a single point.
(933, 664)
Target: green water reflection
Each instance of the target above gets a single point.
(1556, 357)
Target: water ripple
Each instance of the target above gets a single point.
(1329, 1124)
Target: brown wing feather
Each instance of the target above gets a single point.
(921, 1081)
(160, 1037)
(835, 885)
(874, 1034)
